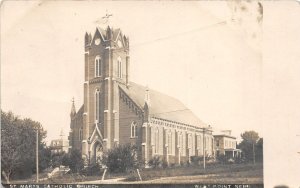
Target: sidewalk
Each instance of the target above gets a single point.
(108, 181)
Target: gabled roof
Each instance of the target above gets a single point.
(115, 33)
(162, 106)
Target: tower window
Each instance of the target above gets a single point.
(133, 129)
(98, 65)
(97, 105)
(119, 68)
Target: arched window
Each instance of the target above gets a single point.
(97, 105)
(156, 140)
(119, 68)
(98, 66)
(133, 129)
(180, 141)
(198, 141)
(80, 133)
(190, 141)
(170, 142)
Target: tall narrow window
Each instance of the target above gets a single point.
(133, 129)
(190, 141)
(80, 134)
(198, 142)
(180, 141)
(119, 68)
(97, 105)
(170, 142)
(98, 65)
(156, 140)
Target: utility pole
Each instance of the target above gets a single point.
(37, 155)
(253, 149)
(204, 144)
(253, 152)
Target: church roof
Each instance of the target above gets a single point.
(162, 106)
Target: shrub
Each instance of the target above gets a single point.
(196, 159)
(92, 170)
(73, 160)
(121, 158)
(154, 162)
(164, 164)
(187, 163)
(222, 159)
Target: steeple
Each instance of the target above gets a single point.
(147, 96)
(147, 105)
(73, 109)
(61, 134)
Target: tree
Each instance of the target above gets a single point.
(18, 141)
(259, 150)
(121, 158)
(248, 144)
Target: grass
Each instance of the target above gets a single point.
(211, 173)
(218, 173)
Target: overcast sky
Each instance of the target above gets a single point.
(195, 54)
(207, 54)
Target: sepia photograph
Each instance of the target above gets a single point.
(129, 94)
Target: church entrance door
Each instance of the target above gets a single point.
(98, 153)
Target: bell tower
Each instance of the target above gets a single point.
(106, 67)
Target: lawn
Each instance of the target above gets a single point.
(219, 173)
(233, 173)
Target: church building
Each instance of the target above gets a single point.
(117, 111)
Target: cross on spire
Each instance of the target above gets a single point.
(106, 17)
(73, 110)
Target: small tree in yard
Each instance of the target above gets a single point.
(248, 144)
(121, 158)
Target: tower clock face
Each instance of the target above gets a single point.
(120, 43)
(97, 41)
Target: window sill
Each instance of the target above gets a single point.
(133, 137)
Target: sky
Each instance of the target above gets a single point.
(192, 54)
(209, 55)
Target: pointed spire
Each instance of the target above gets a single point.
(109, 33)
(61, 134)
(73, 109)
(147, 96)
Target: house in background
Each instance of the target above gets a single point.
(225, 144)
(59, 145)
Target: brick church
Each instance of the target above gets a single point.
(118, 111)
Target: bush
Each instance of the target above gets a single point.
(93, 170)
(154, 162)
(222, 159)
(196, 160)
(164, 164)
(121, 158)
(73, 160)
